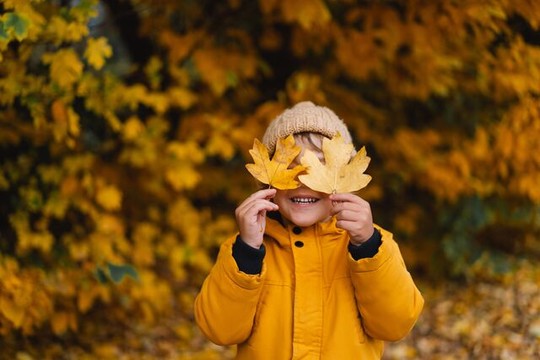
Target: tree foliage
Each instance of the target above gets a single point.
(125, 127)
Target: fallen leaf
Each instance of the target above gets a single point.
(275, 172)
(339, 174)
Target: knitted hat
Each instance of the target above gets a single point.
(305, 117)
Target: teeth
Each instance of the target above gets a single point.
(304, 200)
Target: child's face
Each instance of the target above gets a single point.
(303, 206)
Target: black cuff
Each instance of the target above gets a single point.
(368, 248)
(248, 259)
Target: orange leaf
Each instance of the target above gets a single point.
(12, 311)
(275, 172)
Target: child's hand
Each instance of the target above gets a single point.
(251, 216)
(354, 215)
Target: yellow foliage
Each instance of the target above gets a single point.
(24, 301)
(62, 321)
(182, 176)
(66, 122)
(28, 239)
(97, 50)
(529, 10)
(187, 151)
(12, 311)
(515, 70)
(305, 87)
(65, 68)
(307, 13)
(87, 296)
(184, 218)
(223, 68)
(179, 46)
(107, 243)
(352, 45)
(142, 164)
(153, 295)
(180, 172)
(341, 172)
(132, 129)
(62, 30)
(144, 236)
(130, 95)
(109, 197)
(16, 4)
(276, 171)
(182, 97)
(158, 101)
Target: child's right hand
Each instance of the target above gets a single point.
(251, 216)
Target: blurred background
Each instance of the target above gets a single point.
(124, 130)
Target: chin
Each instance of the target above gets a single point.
(303, 223)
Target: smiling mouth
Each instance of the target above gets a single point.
(304, 200)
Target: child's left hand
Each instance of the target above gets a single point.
(354, 215)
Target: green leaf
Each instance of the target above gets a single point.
(16, 24)
(118, 272)
(101, 276)
(3, 33)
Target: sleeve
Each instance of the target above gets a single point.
(387, 298)
(225, 307)
(367, 249)
(248, 259)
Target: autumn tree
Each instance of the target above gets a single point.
(125, 127)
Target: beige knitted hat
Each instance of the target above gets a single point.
(305, 117)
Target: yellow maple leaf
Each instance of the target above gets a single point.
(63, 30)
(65, 67)
(275, 172)
(339, 173)
(97, 50)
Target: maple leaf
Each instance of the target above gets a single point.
(16, 24)
(276, 172)
(339, 174)
(97, 50)
(65, 67)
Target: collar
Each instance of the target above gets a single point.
(276, 229)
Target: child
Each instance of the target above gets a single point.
(308, 276)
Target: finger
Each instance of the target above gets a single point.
(349, 215)
(347, 225)
(263, 194)
(347, 206)
(254, 208)
(257, 202)
(343, 197)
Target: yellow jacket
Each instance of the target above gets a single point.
(309, 302)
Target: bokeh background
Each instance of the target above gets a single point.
(124, 130)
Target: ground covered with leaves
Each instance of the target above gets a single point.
(477, 320)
